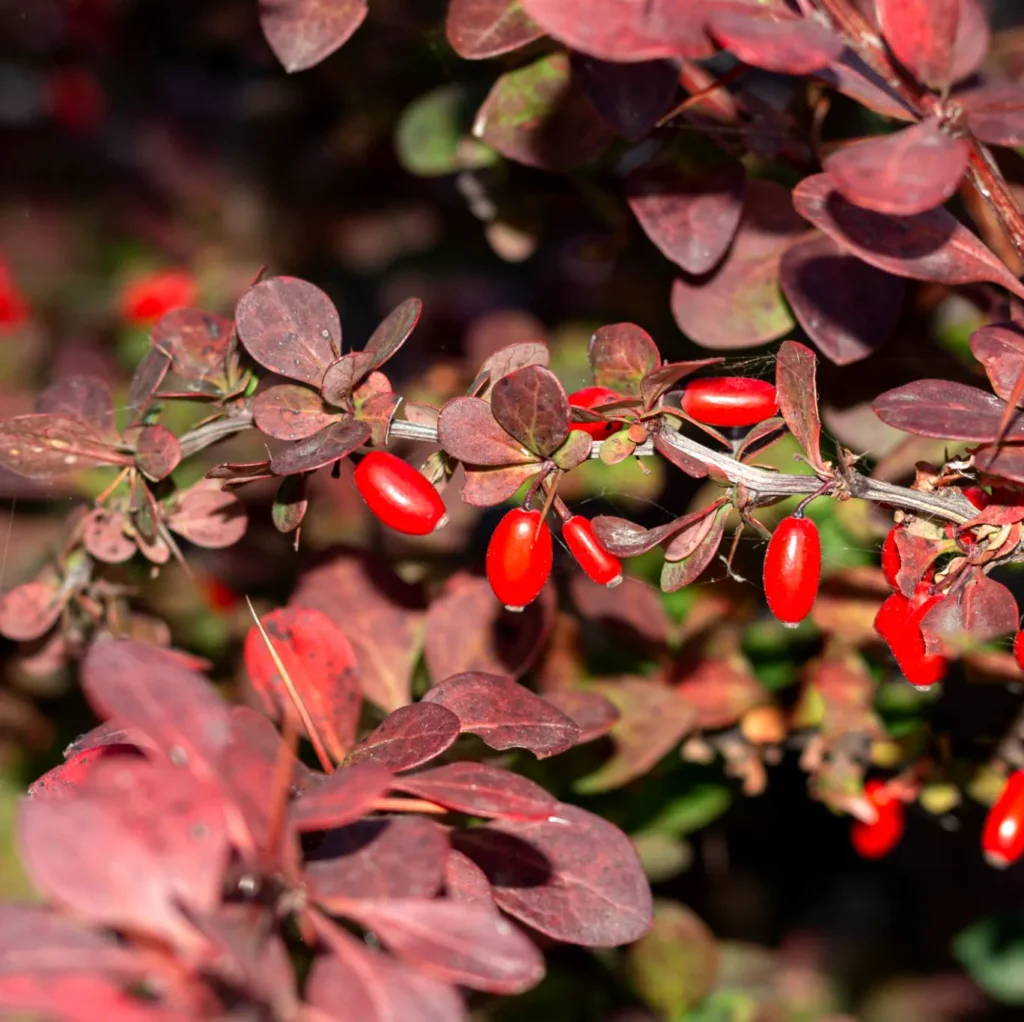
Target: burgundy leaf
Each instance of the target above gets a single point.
(465, 881)
(456, 942)
(72, 997)
(629, 97)
(847, 307)
(198, 342)
(505, 715)
(797, 386)
(613, 30)
(304, 32)
(486, 487)
(574, 450)
(594, 713)
(917, 554)
(148, 375)
(157, 452)
(374, 403)
(532, 407)
(1006, 460)
(741, 305)
(50, 446)
(633, 608)
(343, 376)
(929, 246)
(684, 544)
(1000, 349)
(480, 790)
(950, 411)
(86, 398)
(158, 843)
(995, 113)
(851, 76)
(288, 325)
(678, 457)
(468, 431)
(621, 356)
(676, 574)
(478, 29)
(290, 412)
(690, 215)
(29, 611)
(382, 857)
(775, 40)
(538, 115)
(209, 516)
(627, 539)
(68, 777)
(922, 34)
(321, 664)
(382, 616)
(973, 38)
(344, 797)
(575, 878)
(980, 610)
(409, 737)
(394, 330)
(910, 171)
(507, 360)
(331, 444)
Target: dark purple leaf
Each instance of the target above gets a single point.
(995, 113)
(478, 29)
(157, 452)
(532, 407)
(290, 412)
(465, 881)
(86, 398)
(773, 39)
(575, 878)
(486, 487)
(796, 382)
(456, 942)
(480, 790)
(930, 246)
(847, 307)
(949, 411)
(468, 431)
(594, 713)
(382, 857)
(922, 34)
(304, 32)
(909, 171)
(393, 330)
(627, 539)
(676, 574)
(29, 611)
(209, 516)
(148, 375)
(1000, 349)
(1006, 460)
(684, 544)
(290, 326)
(621, 356)
(343, 376)
(690, 215)
(409, 737)
(345, 796)
(538, 115)
(505, 715)
(629, 97)
(198, 342)
(331, 444)
(50, 446)
(507, 360)
(980, 610)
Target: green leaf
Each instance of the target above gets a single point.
(433, 134)
(992, 951)
(693, 811)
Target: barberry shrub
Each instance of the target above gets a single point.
(360, 832)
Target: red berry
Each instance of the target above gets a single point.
(592, 398)
(147, 298)
(891, 558)
(519, 558)
(977, 496)
(899, 622)
(1018, 649)
(878, 839)
(601, 566)
(402, 498)
(792, 569)
(730, 400)
(1002, 840)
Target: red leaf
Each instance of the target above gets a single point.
(505, 715)
(322, 666)
(478, 29)
(719, 691)
(456, 942)
(613, 30)
(907, 172)
(304, 32)
(382, 857)
(382, 616)
(290, 412)
(157, 452)
(75, 998)
(86, 398)
(995, 113)
(775, 40)
(980, 610)
(741, 305)
(593, 713)
(356, 984)
(468, 431)
(465, 881)
(851, 76)
(504, 361)
(576, 878)
(950, 411)
(408, 737)
(331, 444)
(531, 406)
(929, 246)
(922, 33)
(847, 307)
(199, 344)
(105, 536)
(209, 516)
(1000, 349)
(480, 790)
(621, 356)
(796, 383)
(629, 97)
(486, 487)
(288, 325)
(627, 539)
(66, 778)
(148, 375)
(344, 797)
(676, 574)
(343, 376)
(50, 446)
(157, 844)
(633, 608)
(29, 611)
(691, 216)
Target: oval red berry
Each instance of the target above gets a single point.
(730, 401)
(792, 569)
(1002, 840)
(878, 839)
(891, 558)
(591, 399)
(402, 498)
(1018, 649)
(519, 558)
(599, 565)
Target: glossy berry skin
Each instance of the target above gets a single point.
(1018, 649)
(977, 496)
(591, 398)
(1002, 839)
(519, 558)
(878, 839)
(730, 401)
(402, 498)
(599, 565)
(891, 558)
(792, 569)
(899, 622)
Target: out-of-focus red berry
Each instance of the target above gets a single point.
(145, 299)
(1002, 840)
(878, 839)
(75, 99)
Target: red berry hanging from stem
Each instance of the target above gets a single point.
(792, 569)
(402, 498)
(878, 839)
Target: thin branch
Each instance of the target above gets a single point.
(213, 432)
